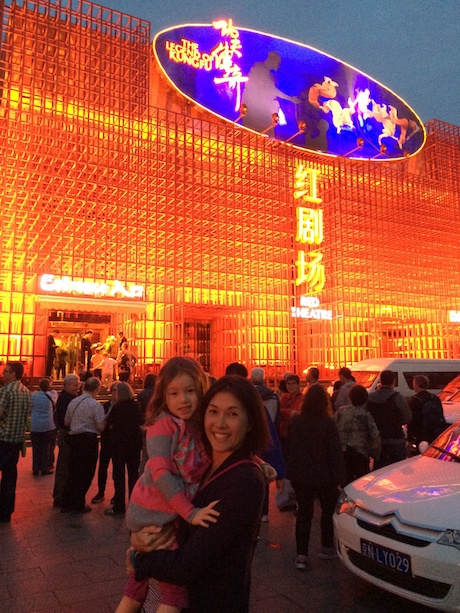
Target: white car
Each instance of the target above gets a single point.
(399, 527)
(451, 409)
(450, 398)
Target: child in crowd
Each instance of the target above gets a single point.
(176, 464)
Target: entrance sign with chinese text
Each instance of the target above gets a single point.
(52, 284)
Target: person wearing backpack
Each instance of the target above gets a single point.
(427, 414)
(126, 362)
(390, 412)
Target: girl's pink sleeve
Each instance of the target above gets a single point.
(162, 439)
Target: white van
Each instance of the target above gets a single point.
(439, 373)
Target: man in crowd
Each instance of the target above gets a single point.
(346, 382)
(51, 352)
(70, 391)
(15, 404)
(105, 451)
(85, 419)
(390, 412)
(427, 413)
(85, 349)
(269, 398)
(311, 377)
(273, 455)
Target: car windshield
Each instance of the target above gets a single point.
(447, 446)
(451, 397)
(451, 391)
(365, 377)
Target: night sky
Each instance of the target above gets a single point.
(411, 46)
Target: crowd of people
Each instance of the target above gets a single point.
(109, 360)
(198, 456)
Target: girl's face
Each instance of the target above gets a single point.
(182, 397)
(226, 424)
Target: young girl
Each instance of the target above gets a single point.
(176, 464)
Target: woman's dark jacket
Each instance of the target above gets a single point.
(124, 427)
(315, 452)
(215, 562)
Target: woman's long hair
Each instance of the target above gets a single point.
(124, 391)
(173, 368)
(316, 403)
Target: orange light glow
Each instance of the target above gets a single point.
(208, 240)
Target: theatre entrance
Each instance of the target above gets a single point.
(196, 341)
(72, 326)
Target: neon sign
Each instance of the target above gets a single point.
(310, 267)
(309, 309)
(288, 91)
(65, 285)
(221, 57)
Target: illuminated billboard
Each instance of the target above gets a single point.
(288, 91)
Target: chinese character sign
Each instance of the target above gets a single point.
(310, 267)
(305, 184)
(221, 57)
(309, 226)
(311, 270)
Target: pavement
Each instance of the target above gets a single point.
(61, 563)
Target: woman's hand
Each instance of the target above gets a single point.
(152, 537)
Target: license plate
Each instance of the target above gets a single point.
(390, 558)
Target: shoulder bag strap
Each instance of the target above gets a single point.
(51, 400)
(222, 472)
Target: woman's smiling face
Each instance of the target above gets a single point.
(226, 424)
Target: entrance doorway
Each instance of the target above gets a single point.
(197, 342)
(72, 326)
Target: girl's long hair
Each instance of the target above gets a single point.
(173, 368)
(316, 403)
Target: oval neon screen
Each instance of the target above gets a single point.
(288, 91)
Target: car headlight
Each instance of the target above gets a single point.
(345, 504)
(450, 538)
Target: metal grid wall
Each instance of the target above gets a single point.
(98, 186)
(392, 257)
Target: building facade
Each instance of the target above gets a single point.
(125, 208)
